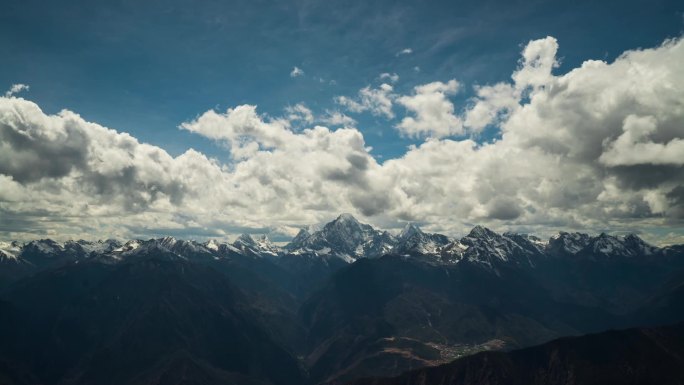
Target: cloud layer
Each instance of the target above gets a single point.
(599, 147)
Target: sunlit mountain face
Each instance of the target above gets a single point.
(337, 192)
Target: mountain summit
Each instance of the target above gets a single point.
(344, 237)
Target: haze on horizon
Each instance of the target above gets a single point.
(135, 120)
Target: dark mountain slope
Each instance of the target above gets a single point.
(666, 305)
(383, 315)
(620, 284)
(137, 323)
(633, 356)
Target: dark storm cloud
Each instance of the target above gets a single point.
(30, 154)
(370, 203)
(503, 209)
(643, 176)
(128, 183)
(354, 174)
(676, 200)
(185, 232)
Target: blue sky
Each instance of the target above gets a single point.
(531, 116)
(145, 67)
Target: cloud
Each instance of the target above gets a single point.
(15, 89)
(491, 105)
(50, 148)
(296, 72)
(615, 127)
(405, 51)
(336, 118)
(596, 147)
(503, 208)
(392, 77)
(434, 113)
(65, 173)
(537, 62)
(106, 183)
(241, 129)
(378, 101)
(633, 146)
(299, 112)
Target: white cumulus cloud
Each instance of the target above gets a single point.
(392, 77)
(299, 112)
(597, 147)
(434, 113)
(377, 101)
(15, 89)
(336, 118)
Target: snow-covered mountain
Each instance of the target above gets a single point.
(601, 247)
(88, 247)
(346, 239)
(412, 240)
(9, 251)
(167, 245)
(566, 244)
(259, 247)
(489, 248)
(610, 247)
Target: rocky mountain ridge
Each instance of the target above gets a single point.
(347, 239)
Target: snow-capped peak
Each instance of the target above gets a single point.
(212, 244)
(263, 240)
(167, 242)
(347, 224)
(266, 246)
(299, 239)
(568, 243)
(10, 250)
(128, 246)
(244, 239)
(45, 247)
(256, 247)
(412, 241)
(609, 246)
(634, 242)
(409, 230)
(347, 218)
(490, 248)
(481, 232)
(344, 237)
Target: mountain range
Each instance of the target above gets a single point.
(338, 303)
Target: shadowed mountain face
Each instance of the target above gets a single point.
(379, 316)
(633, 356)
(138, 322)
(338, 303)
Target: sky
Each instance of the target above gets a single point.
(207, 119)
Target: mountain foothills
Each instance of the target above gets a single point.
(633, 356)
(338, 304)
